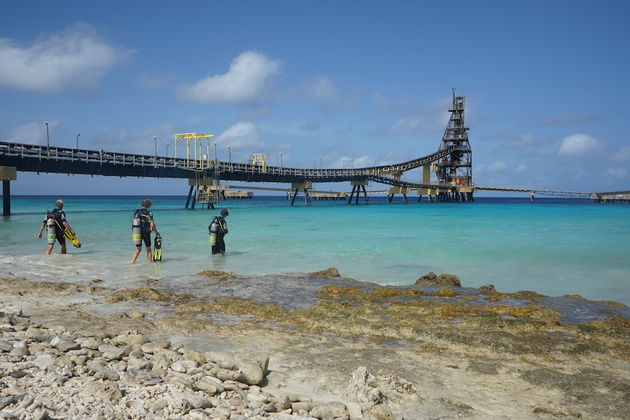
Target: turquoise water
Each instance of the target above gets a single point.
(555, 247)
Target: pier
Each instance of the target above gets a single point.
(446, 173)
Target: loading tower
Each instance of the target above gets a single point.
(456, 168)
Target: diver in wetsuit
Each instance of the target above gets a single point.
(217, 230)
(141, 229)
(55, 223)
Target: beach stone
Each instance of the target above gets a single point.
(100, 371)
(111, 352)
(257, 397)
(197, 401)
(135, 363)
(64, 343)
(17, 374)
(5, 346)
(20, 352)
(91, 343)
(130, 338)
(41, 415)
(136, 314)
(9, 310)
(301, 406)
(38, 335)
(183, 366)
(252, 374)
(153, 346)
(158, 405)
(6, 401)
(223, 360)
(381, 412)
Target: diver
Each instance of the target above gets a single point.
(217, 230)
(141, 229)
(55, 223)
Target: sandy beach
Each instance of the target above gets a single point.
(426, 351)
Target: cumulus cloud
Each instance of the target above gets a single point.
(72, 60)
(622, 155)
(244, 82)
(577, 145)
(496, 166)
(242, 135)
(32, 132)
(521, 169)
(617, 172)
(353, 162)
(137, 140)
(324, 92)
(430, 118)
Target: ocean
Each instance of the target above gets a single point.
(552, 246)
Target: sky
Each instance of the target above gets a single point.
(323, 83)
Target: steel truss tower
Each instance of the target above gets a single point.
(456, 168)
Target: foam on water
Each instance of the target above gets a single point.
(555, 247)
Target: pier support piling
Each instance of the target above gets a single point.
(357, 187)
(7, 174)
(6, 197)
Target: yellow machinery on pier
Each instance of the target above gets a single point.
(197, 157)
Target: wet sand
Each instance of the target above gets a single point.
(425, 351)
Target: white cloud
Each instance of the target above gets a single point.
(137, 141)
(242, 135)
(496, 166)
(72, 60)
(622, 155)
(32, 133)
(577, 145)
(353, 162)
(322, 89)
(245, 81)
(429, 118)
(521, 169)
(617, 172)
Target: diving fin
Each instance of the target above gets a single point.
(70, 236)
(157, 248)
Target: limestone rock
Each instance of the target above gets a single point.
(329, 272)
(130, 338)
(433, 280)
(111, 352)
(154, 346)
(64, 343)
(361, 389)
(329, 411)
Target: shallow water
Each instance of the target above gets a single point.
(555, 247)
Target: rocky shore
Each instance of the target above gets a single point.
(430, 350)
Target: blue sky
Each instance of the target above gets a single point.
(323, 82)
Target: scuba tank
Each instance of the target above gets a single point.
(212, 229)
(51, 230)
(136, 230)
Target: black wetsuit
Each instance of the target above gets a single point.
(146, 217)
(222, 230)
(60, 218)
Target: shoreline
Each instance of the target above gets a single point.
(423, 351)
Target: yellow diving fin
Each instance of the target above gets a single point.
(70, 236)
(157, 248)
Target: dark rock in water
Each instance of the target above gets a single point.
(17, 374)
(218, 275)
(487, 288)
(329, 272)
(431, 279)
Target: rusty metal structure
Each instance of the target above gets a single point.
(456, 168)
